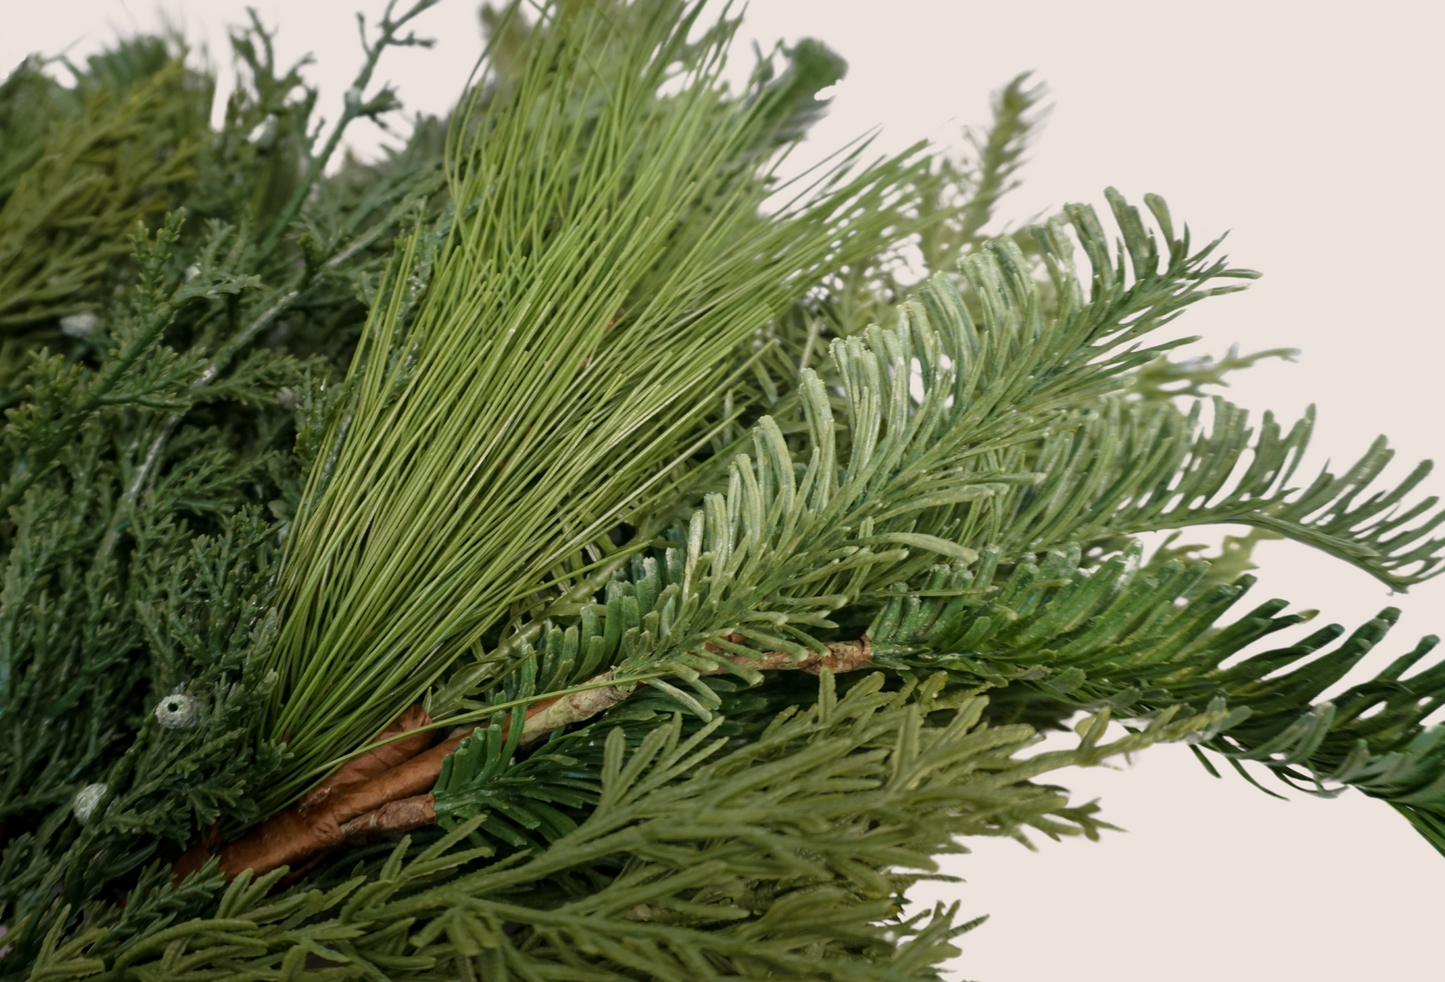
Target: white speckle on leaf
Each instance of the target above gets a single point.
(86, 799)
(79, 325)
(264, 133)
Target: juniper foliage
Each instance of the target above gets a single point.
(571, 391)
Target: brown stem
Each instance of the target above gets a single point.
(388, 790)
(566, 710)
(390, 819)
(293, 835)
(279, 830)
(375, 762)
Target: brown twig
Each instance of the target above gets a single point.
(388, 790)
(566, 710)
(375, 762)
(391, 818)
(356, 771)
(295, 835)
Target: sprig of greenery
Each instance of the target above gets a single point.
(578, 321)
(81, 167)
(701, 859)
(572, 392)
(148, 476)
(355, 106)
(1055, 637)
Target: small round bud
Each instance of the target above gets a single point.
(176, 711)
(86, 799)
(352, 99)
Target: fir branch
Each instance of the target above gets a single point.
(1055, 637)
(1126, 468)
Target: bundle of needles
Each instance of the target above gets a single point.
(566, 549)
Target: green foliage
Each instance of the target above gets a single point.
(703, 857)
(568, 391)
(1055, 638)
(790, 552)
(578, 320)
(83, 166)
(146, 465)
(113, 601)
(977, 185)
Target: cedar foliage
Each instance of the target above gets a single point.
(572, 386)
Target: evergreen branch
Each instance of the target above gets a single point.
(826, 815)
(353, 108)
(1135, 467)
(1000, 152)
(527, 409)
(48, 437)
(1055, 637)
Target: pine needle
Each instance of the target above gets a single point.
(609, 256)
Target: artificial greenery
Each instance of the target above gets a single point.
(571, 397)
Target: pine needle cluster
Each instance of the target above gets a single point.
(741, 534)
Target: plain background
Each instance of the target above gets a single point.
(1311, 131)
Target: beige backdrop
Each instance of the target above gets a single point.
(1312, 131)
